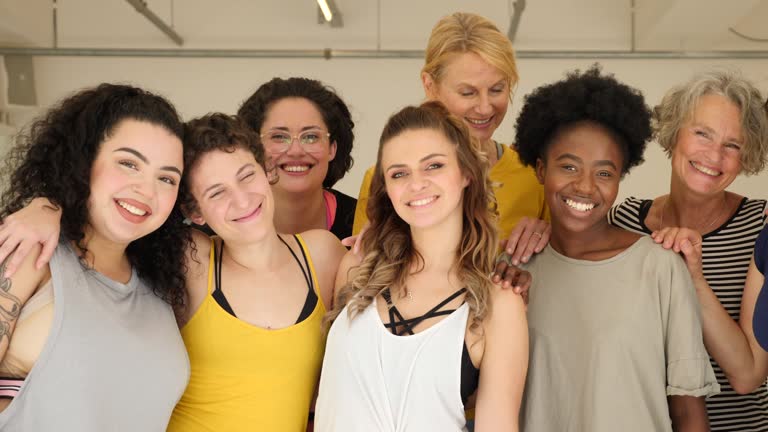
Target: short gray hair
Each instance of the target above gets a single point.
(678, 105)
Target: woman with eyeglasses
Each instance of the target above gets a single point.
(306, 130)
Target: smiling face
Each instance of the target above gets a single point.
(233, 195)
(301, 169)
(423, 178)
(707, 156)
(473, 91)
(134, 181)
(581, 176)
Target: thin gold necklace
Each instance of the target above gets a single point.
(702, 232)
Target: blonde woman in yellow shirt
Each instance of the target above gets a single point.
(470, 68)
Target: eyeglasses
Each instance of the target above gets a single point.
(280, 141)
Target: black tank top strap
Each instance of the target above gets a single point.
(218, 294)
(311, 300)
(396, 319)
(307, 276)
(309, 303)
(218, 253)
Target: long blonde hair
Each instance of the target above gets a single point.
(463, 32)
(390, 253)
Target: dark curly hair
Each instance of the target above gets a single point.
(584, 97)
(53, 159)
(212, 132)
(334, 111)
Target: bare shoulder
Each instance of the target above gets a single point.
(506, 307)
(198, 256)
(325, 248)
(196, 278)
(349, 261)
(345, 272)
(320, 238)
(326, 251)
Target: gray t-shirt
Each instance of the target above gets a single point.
(610, 340)
(114, 359)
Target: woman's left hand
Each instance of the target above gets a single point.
(684, 241)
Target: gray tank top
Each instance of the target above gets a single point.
(114, 359)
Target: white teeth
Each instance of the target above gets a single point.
(479, 122)
(295, 168)
(131, 209)
(705, 170)
(422, 202)
(583, 207)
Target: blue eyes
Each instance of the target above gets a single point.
(430, 167)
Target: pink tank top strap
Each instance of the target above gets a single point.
(330, 208)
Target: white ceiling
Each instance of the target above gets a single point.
(694, 25)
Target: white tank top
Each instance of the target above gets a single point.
(375, 381)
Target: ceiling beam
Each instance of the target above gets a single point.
(141, 7)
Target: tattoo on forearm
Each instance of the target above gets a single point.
(10, 305)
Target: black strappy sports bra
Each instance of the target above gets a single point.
(309, 303)
(470, 375)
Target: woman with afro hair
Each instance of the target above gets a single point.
(94, 332)
(615, 332)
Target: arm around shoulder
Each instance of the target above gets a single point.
(504, 363)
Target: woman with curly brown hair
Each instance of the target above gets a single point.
(307, 131)
(76, 334)
(256, 298)
(419, 326)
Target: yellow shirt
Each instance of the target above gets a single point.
(519, 194)
(246, 378)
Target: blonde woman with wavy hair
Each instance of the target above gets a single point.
(418, 317)
(469, 66)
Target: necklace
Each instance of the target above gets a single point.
(408, 293)
(703, 231)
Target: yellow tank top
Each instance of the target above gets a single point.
(246, 378)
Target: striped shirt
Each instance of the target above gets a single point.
(726, 254)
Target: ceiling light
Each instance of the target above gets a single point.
(325, 9)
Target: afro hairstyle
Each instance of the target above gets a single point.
(584, 97)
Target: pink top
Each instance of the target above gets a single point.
(330, 208)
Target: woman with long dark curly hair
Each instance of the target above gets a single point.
(419, 326)
(307, 131)
(84, 335)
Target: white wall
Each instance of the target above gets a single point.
(374, 89)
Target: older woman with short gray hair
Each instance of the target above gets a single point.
(715, 128)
